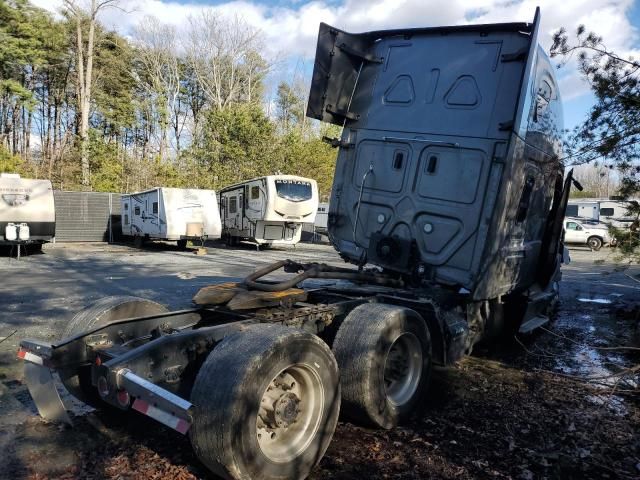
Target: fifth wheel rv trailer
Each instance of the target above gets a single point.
(27, 210)
(174, 214)
(448, 176)
(268, 210)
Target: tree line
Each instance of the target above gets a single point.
(610, 134)
(92, 110)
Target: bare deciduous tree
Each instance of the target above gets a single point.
(84, 68)
(161, 69)
(226, 57)
(598, 179)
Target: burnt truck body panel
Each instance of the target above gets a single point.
(449, 153)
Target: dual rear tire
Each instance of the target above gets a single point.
(384, 355)
(266, 404)
(267, 398)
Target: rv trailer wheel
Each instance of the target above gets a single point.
(138, 241)
(182, 244)
(77, 380)
(267, 402)
(384, 355)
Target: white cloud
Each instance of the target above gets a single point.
(290, 31)
(293, 29)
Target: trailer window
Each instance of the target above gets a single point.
(126, 206)
(255, 193)
(233, 204)
(155, 207)
(572, 210)
(293, 190)
(136, 210)
(606, 212)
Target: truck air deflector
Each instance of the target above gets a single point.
(342, 56)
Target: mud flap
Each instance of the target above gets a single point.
(44, 393)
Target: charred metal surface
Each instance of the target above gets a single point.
(315, 270)
(246, 300)
(170, 361)
(75, 351)
(218, 294)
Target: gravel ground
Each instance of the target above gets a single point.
(522, 411)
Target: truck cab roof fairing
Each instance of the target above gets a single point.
(341, 57)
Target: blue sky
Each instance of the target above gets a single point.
(290, 26)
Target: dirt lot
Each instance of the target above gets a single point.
(526, 411)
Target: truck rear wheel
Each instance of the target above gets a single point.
(384, 355)
(77, 380)
(266, 404)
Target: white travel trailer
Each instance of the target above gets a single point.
(322, 218)
(611, 212)
(27, 210)
(175, 214)
(268, 210)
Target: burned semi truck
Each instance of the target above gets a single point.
(448, 197)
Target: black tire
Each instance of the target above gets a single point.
(595, 243)
(230, 240)
(77, 381)
(138, 241)
(229, 394)
(182, 244)
(370, 347)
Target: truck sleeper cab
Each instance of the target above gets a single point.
(268, 210)
(257, 374)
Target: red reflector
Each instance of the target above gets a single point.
(123, 398)
(98, 360)
(103, 387)
(22, 353)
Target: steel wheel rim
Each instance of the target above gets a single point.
(594, 243)
(280, 439)
(403, 369)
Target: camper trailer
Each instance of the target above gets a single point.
(322, 217)
(611, 212)
(27, 210)
(174, 214)
(448, 180)
(268, 210)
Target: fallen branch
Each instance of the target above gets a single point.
(9, 336)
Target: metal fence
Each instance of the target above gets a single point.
(87, 216)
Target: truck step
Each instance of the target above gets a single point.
(533, 323)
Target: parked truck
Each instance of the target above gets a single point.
(448, 196)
